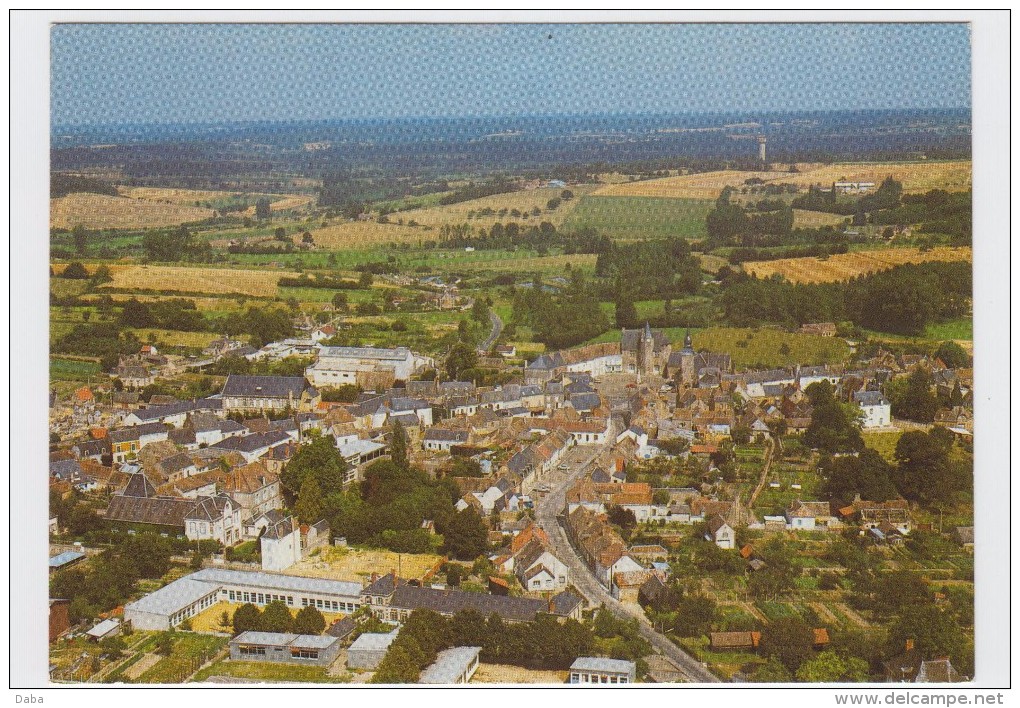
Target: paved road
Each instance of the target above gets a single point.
(497, 329)
(547, 510)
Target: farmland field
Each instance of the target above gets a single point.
(883, 442)
(629, 218)
(523, 201)
(186, 197)
(215, 281)
(804, 219)
(72, 369)
(915, 176)
(959, 329)
(99, 211)
(844, 266)
(702, 185)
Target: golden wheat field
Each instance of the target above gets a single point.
(58, 268)
(99, 211)
(359, 234)
(215, 281)
(173, 196)
(283, 203)
(704, 185)
(804, 219)
(915, 176)
(845, 266)
(531, 265)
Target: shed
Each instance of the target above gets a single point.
(106, 628)
(368, 650)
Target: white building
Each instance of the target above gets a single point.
(281, 545)
(216, 518)
(452, 666)
(338, 366)
(597, 669)
(876, 409)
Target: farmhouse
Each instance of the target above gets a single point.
(314, 649)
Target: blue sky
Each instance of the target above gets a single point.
(211, 73)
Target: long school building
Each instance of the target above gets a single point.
(190, 595)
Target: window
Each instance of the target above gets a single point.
(245, 650)
(304, 654)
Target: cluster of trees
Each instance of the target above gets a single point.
(326, 282)
(386, 509)
(542, 644)
(887, 196)
(261, 324)
(912, 398)
(683, 613)
(512, 235)
(497, 185)
(174, 313)
(817, 250)
(729, 224)
(561, 319)
(788, 644)
(175, 245)
(63, 184)
(276, 617)
(104, 340)
(646, 270)
(902, 300)
(834, 425)
(109, 579)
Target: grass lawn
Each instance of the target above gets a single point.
(265, 671)
(962, 328)
(883, 442)
(629, 218)
(72, 369)
(209, 619)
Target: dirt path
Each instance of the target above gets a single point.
(141, 666)
(854, 617)
(769, 450)
(753, 611)
(824, 612)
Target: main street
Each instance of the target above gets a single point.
(547, 511)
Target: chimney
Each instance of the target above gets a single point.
(375, 576)
(910, 645)
(552, 606)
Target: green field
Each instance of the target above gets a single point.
(884, 443)
(962, 328)
(189, 651)
(630, 218)
(72, 369)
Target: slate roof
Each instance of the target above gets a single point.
(342, 629)
(630, 338)
(136, 432)
(158, 511)
(264, 386)
(450, 601)
(156, 413)
(251, 443)
(139, 486)
(65, 469)
(870, 398)
(441, 434)
(209, 508)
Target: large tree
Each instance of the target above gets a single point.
(465, 536)
(276, 618)
(788, 639)
(833, 428)
(309, 621)
(309, 502)
(867, 474)
(247, 618)
(320, 460)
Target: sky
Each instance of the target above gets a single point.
(165, 73)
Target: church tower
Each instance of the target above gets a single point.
(687, 372)
(646, 351)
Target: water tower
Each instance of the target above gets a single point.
(761, 148)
